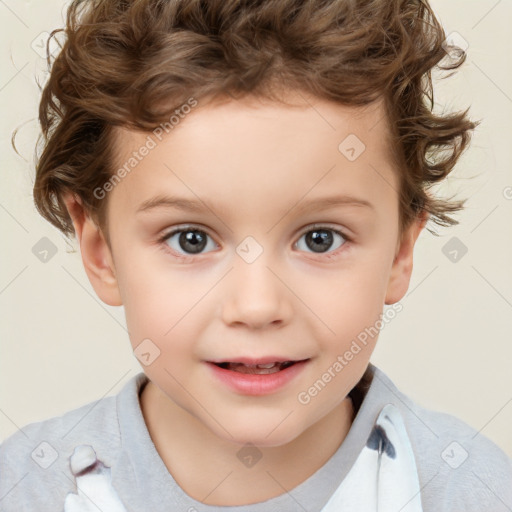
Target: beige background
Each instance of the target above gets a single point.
(450, 348)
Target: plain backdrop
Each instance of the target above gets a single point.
(450, 349)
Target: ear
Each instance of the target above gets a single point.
(96, 254)
(402, 265)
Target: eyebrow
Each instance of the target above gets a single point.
(191, 205)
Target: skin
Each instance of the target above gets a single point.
(258, 163)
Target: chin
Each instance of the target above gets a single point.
(261, 433)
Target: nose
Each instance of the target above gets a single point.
(254, 296)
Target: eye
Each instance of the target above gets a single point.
(189, 240)
(321, 238)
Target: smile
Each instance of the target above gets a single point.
(256, 379)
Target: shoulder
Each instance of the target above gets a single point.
(34, 461)
(459, 468)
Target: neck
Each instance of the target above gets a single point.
(203, 464)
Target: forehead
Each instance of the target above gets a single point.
(243, 152)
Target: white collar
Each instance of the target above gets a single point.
(384, 477)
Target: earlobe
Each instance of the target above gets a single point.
(403, 263)
(96, 254)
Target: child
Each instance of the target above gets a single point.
(256, 132)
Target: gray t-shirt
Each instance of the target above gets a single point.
(458, 468)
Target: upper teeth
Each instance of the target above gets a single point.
(262, 366)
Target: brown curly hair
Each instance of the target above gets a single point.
(131, 63)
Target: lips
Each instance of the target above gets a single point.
(256, 376)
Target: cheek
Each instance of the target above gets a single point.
(163, 305)
(147, 298)
(351, 299)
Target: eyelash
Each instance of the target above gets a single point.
(319, 227)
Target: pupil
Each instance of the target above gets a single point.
(320, 240)
(192, 241)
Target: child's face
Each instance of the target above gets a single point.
(250, 284)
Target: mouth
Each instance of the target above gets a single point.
(257, 376)
(257, 369)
